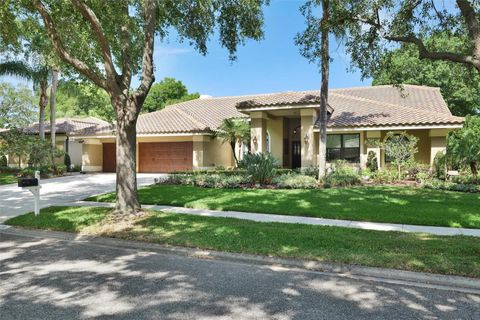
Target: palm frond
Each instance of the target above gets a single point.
(23, 70)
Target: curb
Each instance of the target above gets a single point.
(394, 276)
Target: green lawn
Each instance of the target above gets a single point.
(380, 204)
(7, 178)
(417, 252)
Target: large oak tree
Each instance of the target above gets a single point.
(110, 42)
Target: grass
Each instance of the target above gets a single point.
(7, 178)
(457, 255)
(379, 204)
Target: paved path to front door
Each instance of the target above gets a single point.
(262, 217)
(58, 191)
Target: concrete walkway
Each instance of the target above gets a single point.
(261, 217)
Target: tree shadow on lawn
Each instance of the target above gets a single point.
(49, 278)
(379, 204)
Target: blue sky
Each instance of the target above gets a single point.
(271, 65)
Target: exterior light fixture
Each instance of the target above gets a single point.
(254, 139)
(306, 138)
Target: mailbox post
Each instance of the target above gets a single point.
(34, 187)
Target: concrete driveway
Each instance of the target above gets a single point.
(57, 191)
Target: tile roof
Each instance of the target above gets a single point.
(72, 126)
(370, 106)
(351, 107)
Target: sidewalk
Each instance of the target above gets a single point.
(261, 217)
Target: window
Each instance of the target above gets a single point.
(343, 147)
(268, 142)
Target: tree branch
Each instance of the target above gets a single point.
(424, 53)
(150, 12)
(79, 65)
(126, 76)
(473, 25)
(91, 17)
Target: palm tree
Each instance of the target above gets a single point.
(36, 73)
(233, 131)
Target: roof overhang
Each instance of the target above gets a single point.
(278, 107)
(393, 127)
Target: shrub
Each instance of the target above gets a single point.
(413, 169)
(260, 167)
(67, 161)
(450, 186)
(343, 175)
(76, 168)
(311, 171)
(3, 161)
(372, 161)
(385, 175)
(295, 181)
(439, 165)
(207, 180)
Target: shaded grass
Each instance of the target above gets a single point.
(457, 255)
(378, 204)
(7, 178)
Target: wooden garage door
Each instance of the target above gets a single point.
(165, 156)
(109, 157)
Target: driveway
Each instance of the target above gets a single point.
(57, 191)
(47, 278)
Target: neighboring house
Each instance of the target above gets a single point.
(181, 136)
(65, 128)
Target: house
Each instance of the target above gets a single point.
(181, 136)
(65, 128)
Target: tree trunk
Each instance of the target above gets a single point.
(42, 104)
(127, 194)
(474, 169)
(53, 126)
(232, 144)
(322, 140)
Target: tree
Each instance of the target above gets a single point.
(165, 92)
(459, 84)
(463, 145)
(314, 45)
(76, 98)
(38, 73)
(17, 108)
(234, 131)
(108, 42)
(400, 148)
(375, 27)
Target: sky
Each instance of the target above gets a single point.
(271, 65)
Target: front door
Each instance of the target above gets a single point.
(296, 155)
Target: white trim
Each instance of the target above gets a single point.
(287, 107)
(450, 126)
(146, 135)
(92, 168)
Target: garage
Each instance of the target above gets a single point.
(165, 156)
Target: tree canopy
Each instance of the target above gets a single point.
(17, 106)
(459, 84)
(464, 144)
(167, 92)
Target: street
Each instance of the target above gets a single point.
(46, 278)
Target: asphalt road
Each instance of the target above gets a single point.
(57, 279)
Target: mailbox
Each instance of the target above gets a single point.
(27, 182)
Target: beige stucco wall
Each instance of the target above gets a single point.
(217, 153)
(275, 129)
(92, 156)
(437, 144)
